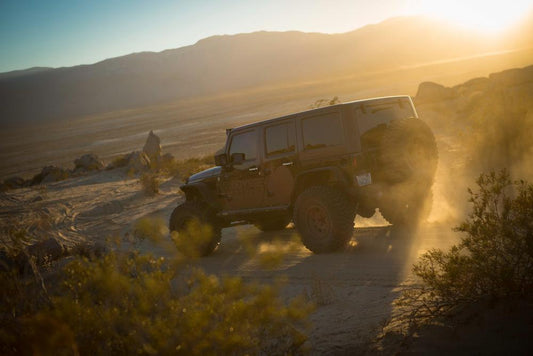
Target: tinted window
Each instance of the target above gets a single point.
(372, 114)
(322, 131)
(279, 139)
(244, 143)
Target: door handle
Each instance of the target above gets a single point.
(287, 164)
(253, 169)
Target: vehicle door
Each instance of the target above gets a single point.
(241, 185)
(279, 162)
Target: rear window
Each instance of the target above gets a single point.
(322, 131)
(373, 113)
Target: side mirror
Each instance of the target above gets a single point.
(221, 159)
(237, 158)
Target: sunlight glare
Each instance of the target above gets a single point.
(483, 15)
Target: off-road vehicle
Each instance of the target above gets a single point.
(317, 168)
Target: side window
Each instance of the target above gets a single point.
(322, 131)
(279, 139)
(246, 143)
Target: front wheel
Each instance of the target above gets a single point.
(194, 229)
(324, 218)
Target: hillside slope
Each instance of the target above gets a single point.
(225, 63)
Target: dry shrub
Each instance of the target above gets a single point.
(132, 303)
(149, 183)
(185, 168)
(493, 261)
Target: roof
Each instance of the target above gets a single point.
(325, 108)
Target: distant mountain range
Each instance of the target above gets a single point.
(221, 64)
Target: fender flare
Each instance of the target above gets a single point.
(332, 176)
(200, 190)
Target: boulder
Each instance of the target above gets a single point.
(152, 147)
(50, 174)
(88, 162)
(138, 162)
(40, 253)
(429, 92)
(14, 182)
(118, 162)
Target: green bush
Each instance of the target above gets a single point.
(493, 261)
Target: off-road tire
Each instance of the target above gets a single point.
(187, 212)
(407, 212)
(409, 152)
(324, 218)
(273, 224)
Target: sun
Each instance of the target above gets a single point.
(481, 15)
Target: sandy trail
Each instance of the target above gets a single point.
(354, 288)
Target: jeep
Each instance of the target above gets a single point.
(318, 169)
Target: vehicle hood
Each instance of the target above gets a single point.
(208, 173)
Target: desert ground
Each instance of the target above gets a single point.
(354, 289)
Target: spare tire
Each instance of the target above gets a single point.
(408, 152)
(406, 207)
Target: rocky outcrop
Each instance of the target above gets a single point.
(50, 174)
(14, 182)
(152, 147)
(138, 162)
(86, 163)
(429, 92)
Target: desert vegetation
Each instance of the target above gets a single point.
(492, 262)
(124, 301)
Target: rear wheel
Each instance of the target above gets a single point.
(194, 229)
(324, 218)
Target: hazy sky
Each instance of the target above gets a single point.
(57, 33)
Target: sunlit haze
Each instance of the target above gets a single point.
(482, 15)
(66, 33)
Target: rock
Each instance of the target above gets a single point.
(429, 92)
(473, 86)
(14, 182)
(118, 162)
(46, 251)
(50, 174)
(511, 77)
(88, 162)
(152, 147)
(138, 162)
(40, 253)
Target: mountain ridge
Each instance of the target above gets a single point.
(223, 63)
